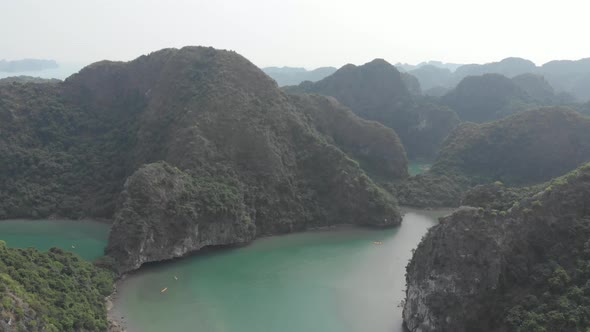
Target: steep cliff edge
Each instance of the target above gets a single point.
(521, 269)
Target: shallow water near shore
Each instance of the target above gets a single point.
(343, 279)
(85, 238)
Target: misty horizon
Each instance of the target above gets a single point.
(81, 64)
(304, 34)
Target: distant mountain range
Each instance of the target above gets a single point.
(293, 75)
(569, 76)
(26, 65)
(27, 79)
(438, 64)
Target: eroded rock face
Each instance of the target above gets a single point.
(167, 213)
(489, 270)
(445, 287)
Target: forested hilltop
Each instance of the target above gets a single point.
(520, 267)
(378, 91)
(187, 148)
(211, 152)
(526, 148)
(570, 77)
(492, 97)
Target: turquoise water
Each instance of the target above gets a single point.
(345, 279)
(415, 168)
(85, 238)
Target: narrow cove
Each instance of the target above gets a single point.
(344, 279)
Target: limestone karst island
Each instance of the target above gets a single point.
(294, 166)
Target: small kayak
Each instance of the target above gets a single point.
(163, 290)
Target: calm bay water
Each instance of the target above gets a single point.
(85, 238)
(345, 279)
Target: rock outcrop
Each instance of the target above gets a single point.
(167, 213)
(520, 269)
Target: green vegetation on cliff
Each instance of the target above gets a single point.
(62, 153)
(529, 147)
(287, 159)
(51, 291)
(199, 129)
(522, 150)
(376, 147)
(524, 268)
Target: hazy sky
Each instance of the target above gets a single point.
(308, 33)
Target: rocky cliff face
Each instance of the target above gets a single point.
(167, 213)
(378, 91)
(510, 270)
